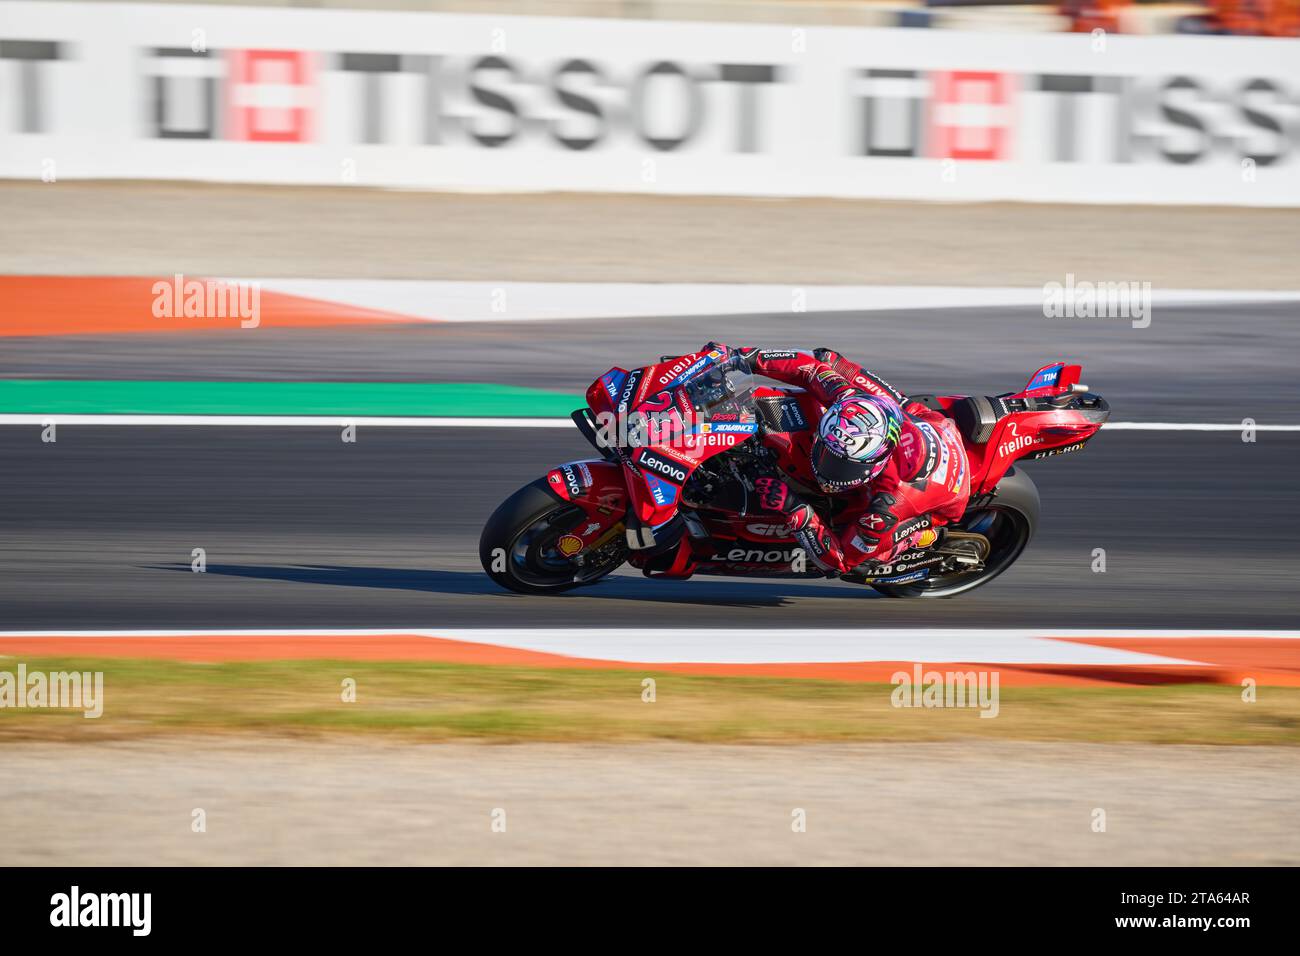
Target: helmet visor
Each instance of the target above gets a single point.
(837, 473)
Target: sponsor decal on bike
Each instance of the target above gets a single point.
(571, 479)
(908, 528)
(677, 448)
(926, 538)
(655, 462)
(613, 382)
(1017, 441)
(627, 395)
(1064, 450)
(1046, 378)
(683, 369)
(727, 428)
(569, 545)
(903, 578)
(567, 481)
(757, 556)
(692, 442)
(767, 530)
(909, 561)
(921, 563)
(792, 418)
(663, 492)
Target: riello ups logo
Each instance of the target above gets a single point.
(583, 102)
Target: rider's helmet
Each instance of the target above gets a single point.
(854, 441)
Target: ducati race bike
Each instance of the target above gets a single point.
(670, 434)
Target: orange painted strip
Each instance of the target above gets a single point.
(252, 647)
(90, 305)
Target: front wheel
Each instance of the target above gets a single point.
(518, 547)
(1009, 521)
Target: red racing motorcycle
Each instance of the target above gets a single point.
(670, 434)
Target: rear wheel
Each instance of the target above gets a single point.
(1008, 521)
(518, 547)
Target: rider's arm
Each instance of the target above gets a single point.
(793, 367)
(861, 378)
(829, 377)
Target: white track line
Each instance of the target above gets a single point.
(1195, 427)
(434, 421)
(762, 646)
(443, 301)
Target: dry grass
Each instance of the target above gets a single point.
(422, 701)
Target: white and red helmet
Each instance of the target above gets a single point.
(854, 440)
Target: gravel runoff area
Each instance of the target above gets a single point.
(123, 228)
(277, 802)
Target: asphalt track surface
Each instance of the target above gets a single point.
(301, 529)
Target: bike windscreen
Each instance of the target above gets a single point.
(723, 395)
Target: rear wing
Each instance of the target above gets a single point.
(1053, 379)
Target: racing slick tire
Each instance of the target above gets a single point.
(517, 546)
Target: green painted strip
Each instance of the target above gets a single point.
(452, 399)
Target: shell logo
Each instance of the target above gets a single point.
(569, 545)
(926, 538)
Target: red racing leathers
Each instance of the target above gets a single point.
(925, 484)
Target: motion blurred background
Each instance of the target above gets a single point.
(454, 200)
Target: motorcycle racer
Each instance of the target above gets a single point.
(899, 467)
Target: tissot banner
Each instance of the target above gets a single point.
(441, 101)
